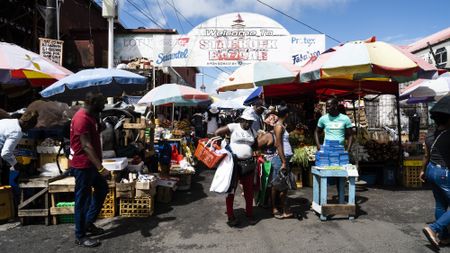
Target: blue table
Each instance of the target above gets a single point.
(319, 205)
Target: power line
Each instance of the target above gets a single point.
(176, 10)
(133, 16)
(176, 14)
(147, 9)
(225, 71)
(310, 27)
(143, 13)
(164, 16)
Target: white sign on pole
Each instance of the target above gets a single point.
(51, 49)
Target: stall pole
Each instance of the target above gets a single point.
(400, 148)
(173, 114)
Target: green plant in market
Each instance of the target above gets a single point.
(302, 156)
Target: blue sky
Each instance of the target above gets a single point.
(395, 21)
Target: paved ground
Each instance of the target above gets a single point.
(389, 220)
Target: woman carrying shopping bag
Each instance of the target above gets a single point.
(242, 143)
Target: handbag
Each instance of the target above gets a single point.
(246, 167)
(284, 181)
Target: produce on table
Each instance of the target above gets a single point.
(304, 155)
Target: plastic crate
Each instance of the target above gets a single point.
(109, 206)
(411, 176)
(137, 207)
(412, 163)
(66, 218)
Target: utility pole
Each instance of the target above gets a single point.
(50, 19)
(109, 12)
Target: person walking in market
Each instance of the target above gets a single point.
(257, 109)
(436, 172)
(11, 131)
(212, 121)
(242, 144)
(86, 167)
(337, 126)
(280, 165)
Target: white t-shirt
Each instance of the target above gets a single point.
(212, 125)
(241, 141)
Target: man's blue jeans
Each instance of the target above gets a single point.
(88, 204)
(439, 177)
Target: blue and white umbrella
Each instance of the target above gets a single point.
(110, 82)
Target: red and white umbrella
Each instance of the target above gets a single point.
(175, 94)
(18, 64)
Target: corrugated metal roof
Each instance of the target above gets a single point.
(432, 39)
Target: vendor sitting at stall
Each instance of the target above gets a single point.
(336, 126)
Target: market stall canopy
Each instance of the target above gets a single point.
(176, 94)
(259, 74)
(436, 88)
(228, 104)
(18, 66)
(256, 94)
(110, 82)
(330, 87)
(368, 60)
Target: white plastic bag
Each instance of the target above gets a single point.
(222, 178)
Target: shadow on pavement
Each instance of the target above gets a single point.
(125, 226)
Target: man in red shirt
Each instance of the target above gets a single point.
(86, 166)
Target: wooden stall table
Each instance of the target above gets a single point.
(320, 181)
(65, 185)
(41, 184)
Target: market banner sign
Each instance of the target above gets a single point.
(128, 47)
(51, 49)
(228, 40)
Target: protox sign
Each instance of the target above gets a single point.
(227, 40)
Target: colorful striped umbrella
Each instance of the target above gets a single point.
(18, 64)
(259, 74)
(175, 94)
(368, 60)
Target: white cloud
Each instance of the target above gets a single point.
(400, 39)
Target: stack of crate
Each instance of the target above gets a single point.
(411, 172)
(141, 202)
(109, 206)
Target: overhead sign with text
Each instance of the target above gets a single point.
(227, 40)
(51, 49)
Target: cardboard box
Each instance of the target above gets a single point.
(113, 164)
(145, 193)
(146, 185)
(125, 190)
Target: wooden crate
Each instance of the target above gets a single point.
(411, 176)
(109, 206)
(137, 207)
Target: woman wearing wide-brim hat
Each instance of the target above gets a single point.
(437, 155)
(242, 144)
